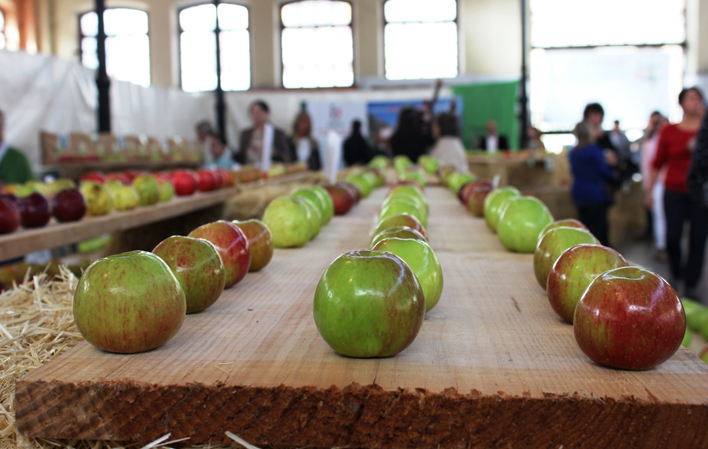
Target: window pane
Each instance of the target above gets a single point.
(420, 10)
(563, 23)
(2, 21)
(128, 58)
(198, 18)
(316, 13)
(125, 21)
(89, 24)
(198, 61)
(235, 60)
(420, 50)
(233, 17)
(317, 57)
(88, 53)
(629, 82)
(2, 41)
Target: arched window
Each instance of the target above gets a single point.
(420, 39)
(198, 26)
(127, 44)
(3, 41)
(317, 44)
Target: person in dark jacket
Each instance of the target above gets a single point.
(250, 147)
(591, 174)
(303, 147)
(410, 138)
(492, 141)
(356, 149)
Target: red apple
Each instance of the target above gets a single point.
(121, 177)
(227, 177)
(184, 183)
(353, 190)
(9, 215)
(198, 267)
(132, 174)
(34, 211)
(552, 245)
(629, 318)
(467, 188)
(260, 243)
(165, 176)
(394, 221)
(95, 176)
(219, 180)
(207, 180)
(574, 270)
(341, 198)
(69, 205)
(232, 245)
(475, 200)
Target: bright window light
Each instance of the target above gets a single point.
(127, 44)
(198, 47)
(420, 39)
(3, 42)
(317, 44)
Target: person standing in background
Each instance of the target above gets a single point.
(674, 151)
(448, 148)
(253, 140)
(492, 142)
(15, 168)
(535, 142)
(698, 173)
(410, 138)
(356, 149)
(656, 220)
(221, 156)
(303, 148)
(591, 175)
(620, 142)
(204, 134)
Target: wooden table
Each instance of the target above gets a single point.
(54, 234)
(492, 366)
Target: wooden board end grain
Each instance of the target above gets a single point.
(491, 367)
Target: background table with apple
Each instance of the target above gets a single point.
(491, 366)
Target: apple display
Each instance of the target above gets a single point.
(629, 318)
(260, 243)
(402, 232)
(129, 303)
(34, 211)
(407, 220)
(368, 304)
(574, 270)
(232, 245)
(98, 199)
(521, 223)
(198, 267)
(69, 205)
(9, 215)
(342, 200)
(289, 222)
(424, 263)
(493, 202)
(148, 189)
(552, 244)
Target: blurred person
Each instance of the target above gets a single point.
(220, 155)
(492, 142)
(698, 173)
(591, 174)
(656, 220)
(262, 136)
(15, 168)
(356, 149)
(304, 148)
(410, 138)
(204, 135)
(449, 148)
(674, 151)
(594, 115)
(535, 142)
(620, 142)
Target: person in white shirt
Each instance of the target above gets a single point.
(448, 148)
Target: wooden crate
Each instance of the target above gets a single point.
(493, 366)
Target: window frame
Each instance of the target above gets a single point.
(80, 52)
(383, 44)
(218, 56)
(280, 45)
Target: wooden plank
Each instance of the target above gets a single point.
(55, 234)
(492, 366)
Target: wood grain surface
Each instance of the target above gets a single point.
(492, 366)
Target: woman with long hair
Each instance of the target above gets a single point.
(303, 147)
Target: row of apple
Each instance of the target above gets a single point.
(137, 301)
(623, 317)
(372, 303)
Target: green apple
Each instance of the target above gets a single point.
(457, 179)
(573, 272)
(260, 243)
(406, 197)
(316, 200)
(552, 244)
(61, 184)
(326, 200)
(400, 162)
(402, 232)
(126, 198)
(424, 263)
(429, 164)
(686, 342)
(413, 175)
(695, 314)
(567, 223)
(520, 225)
(148, 189)
(167, 191)
(380, 162)
(314, 214)
(368, 304)
(407, 220)
(361, 183)
(289, 221)
(98, 198)
(493, 202)
(403, 206)
(198, 267)
(129, 303)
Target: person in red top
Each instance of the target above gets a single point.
(674, 151)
